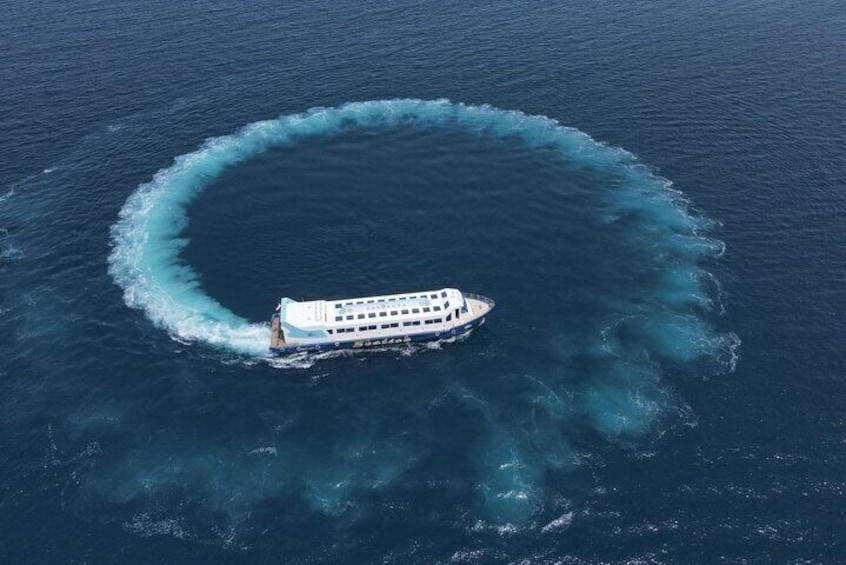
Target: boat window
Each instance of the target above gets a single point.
(338, 318)
(404, 311)
(362, 328)
(371, 315)
(361, 316)
(406, 323)
(433, 296)
(382, 314)
(427, 309)
(446, 304)
(439, 320)
(395, 325)
(360, 302)
(415, 310)
(449, 317)
(386, 326)
(443, 294)
(393, 312)
(350, 317)
(337, 305)
(437, 308)
(371, 327)
(416, 322)
(330, 331)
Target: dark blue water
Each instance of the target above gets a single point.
(653, 193)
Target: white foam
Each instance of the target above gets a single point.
(561, 523)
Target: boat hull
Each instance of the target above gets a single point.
(382, 341)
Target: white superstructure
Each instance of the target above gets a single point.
(376, 320)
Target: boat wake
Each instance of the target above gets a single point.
(606, 375)
(146, 240)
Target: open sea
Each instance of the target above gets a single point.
(654, 193)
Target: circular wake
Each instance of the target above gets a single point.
(641, 304)
(146, 239)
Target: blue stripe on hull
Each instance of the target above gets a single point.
(381, 341)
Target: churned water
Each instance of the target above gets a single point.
(651, 193)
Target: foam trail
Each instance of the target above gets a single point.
(146, 241)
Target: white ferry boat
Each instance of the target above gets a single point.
(374, 321)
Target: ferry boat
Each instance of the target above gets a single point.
(375, 321)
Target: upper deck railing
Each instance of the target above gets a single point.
(489, 301)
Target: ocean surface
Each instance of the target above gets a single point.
(654, 194)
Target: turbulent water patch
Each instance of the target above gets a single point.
(146, 240)
(617, 355)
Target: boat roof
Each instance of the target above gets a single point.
(316, 314)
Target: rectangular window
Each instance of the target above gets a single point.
(350, 317)
(338, 318)
(385, 326)
(337, 305)
(406, 323)
(371, 315)
(433, 296)
(330, 331)
(382, 314)
(439, 320)
(404, 311)
(443, 294)
(395, 325)
(393, 312)
(427, 309)
(415, 310)
(416, 322)
(436, 308)
(362, 328)
(371, 327)
(361, 316)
